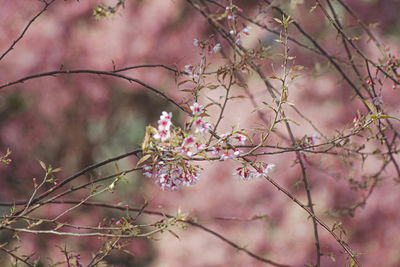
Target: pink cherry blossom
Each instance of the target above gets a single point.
(164, 124)
(224, 156)
(189, 141)
(266, 170)
(200, 126)
(165, 115)
(215, 150)
(246, 30)
(314, 139)
(189, 68)
(216, 48)
(196, 108)
(162, 135)
(241, 138)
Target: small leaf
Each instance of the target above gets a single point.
(36, 223)
(298, 67)
(274, 77)
(182, 82)
(173, 233)
(208, 105)
(143, 159)
(331, 257)
(257, 109)
(147, 137)
(56, 170)
(313, 8)
(204, 114)
(212, 87)
(239, 96)
(43, 165)
(58, 226)
(388, 117)
(187, 109)
(370, 106)
(186, 90)
(116, 167)
(290, 103)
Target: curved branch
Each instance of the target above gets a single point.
(99, 72)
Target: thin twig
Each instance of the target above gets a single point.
(26, 28)
(85, 170)
(188, 221)
(16, 256)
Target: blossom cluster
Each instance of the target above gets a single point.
(170, 149)
(262, 171)
(223, 147)
(207, 45)
(199, 124)
(164, 125)
(238, 34)
(232, 12)
(235, 31)
(172, 176)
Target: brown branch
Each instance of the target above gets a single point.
(85, 170)
(342, 73)
(99, 72)
(303, 171)
(26, 28)
(188, 221)
(216, 25)
(380, 47)
(349, 40)
(16, 256)
(346, 47)
(148, 66)
(324, 53)
(263, 26)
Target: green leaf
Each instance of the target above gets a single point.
(388, 117)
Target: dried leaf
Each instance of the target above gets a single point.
(143, 159)
(44, 167)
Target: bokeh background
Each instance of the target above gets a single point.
(72, 121)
